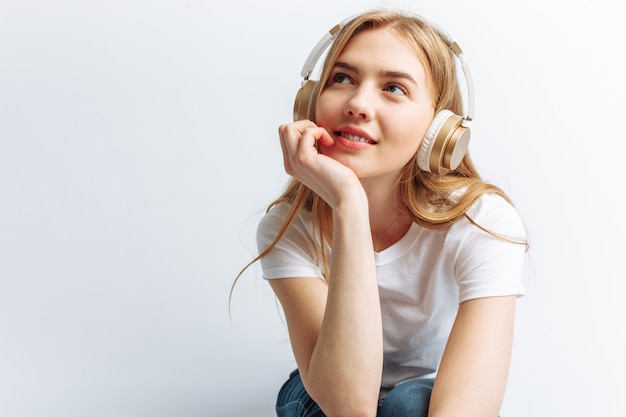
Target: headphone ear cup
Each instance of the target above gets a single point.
(444, 145)
(426, 147)
(302, 105)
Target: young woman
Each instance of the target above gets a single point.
(396, 266)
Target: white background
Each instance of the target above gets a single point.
(138, 148)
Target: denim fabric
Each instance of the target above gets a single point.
(409, 399)
(294, 401)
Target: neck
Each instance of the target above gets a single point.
(389, 221)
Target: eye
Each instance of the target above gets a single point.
(395, 89)
(341, 78)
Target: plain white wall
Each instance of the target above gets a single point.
(138, 148)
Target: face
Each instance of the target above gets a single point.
(377, 104)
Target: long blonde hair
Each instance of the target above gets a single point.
(431, 200)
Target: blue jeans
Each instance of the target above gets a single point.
(409, 399)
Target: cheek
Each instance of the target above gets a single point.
(423, 124)
(321, 110)
(327, 108)
(412, 147)
(413, 136)
(414, 131)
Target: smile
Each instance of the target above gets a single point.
(355, 138)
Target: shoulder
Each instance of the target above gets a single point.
(270, 225)
(490, 224)
(294, 252)
(491, 246)
(493, 212)
(274, 219)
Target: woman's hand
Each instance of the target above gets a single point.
(330, 179)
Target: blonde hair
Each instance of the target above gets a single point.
(431, 200)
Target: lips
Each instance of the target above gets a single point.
(353, 137)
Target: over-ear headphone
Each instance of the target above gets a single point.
(445, 143)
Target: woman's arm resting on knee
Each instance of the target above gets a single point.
(472, 376)
(336, 329)
(337, 382)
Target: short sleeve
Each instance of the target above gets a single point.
(490, 262)
(294, 255)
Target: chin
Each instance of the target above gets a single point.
(343, 159)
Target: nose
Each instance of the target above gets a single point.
(360, 103)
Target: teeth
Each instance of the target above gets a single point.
(354, 138)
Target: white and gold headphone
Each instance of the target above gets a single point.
(446, 140)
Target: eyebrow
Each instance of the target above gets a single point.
(384, 74)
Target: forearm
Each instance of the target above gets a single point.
(472, 376)
(346, 364)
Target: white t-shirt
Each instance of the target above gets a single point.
(422, 278)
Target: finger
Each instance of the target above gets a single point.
(289, 139)
(297, 143)
(293, 131)
(308, 139)
(313, 135)
(281, 135)
(326, 138)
